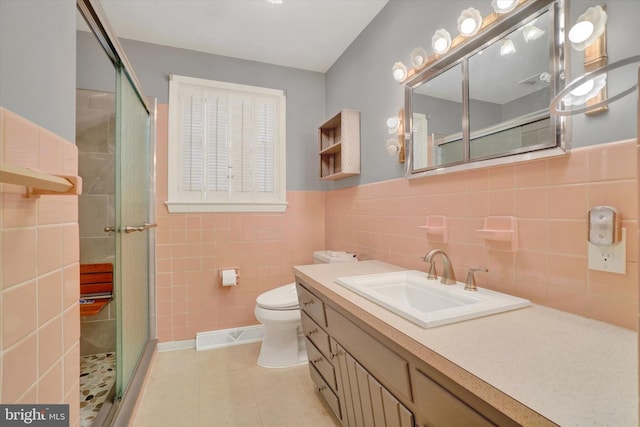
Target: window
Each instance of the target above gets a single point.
(226, 147)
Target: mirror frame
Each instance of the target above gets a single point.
(498, 27)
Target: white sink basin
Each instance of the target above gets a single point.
(427, 302)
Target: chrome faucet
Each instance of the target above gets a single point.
(448, 276)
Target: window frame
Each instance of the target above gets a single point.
(180, 201)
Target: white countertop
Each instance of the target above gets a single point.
(571, 370)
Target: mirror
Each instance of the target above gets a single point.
(487, 101)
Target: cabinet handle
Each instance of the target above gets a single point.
(322, 388)
(311, 332)
(306, 303)
(316, 361)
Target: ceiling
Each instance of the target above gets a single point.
(305, 34)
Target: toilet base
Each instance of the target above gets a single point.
(282, 348)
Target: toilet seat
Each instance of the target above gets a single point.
(281, 298)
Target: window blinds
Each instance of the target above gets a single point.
(228, 144)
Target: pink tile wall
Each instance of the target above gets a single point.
(39, 274)
(192, 248)
(550, 199)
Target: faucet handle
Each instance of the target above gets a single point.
(470, 284)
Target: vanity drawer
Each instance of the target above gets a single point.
(326, 392)
(312, 305)
(315, 334)
(385, 365)
(322, 364)
(438, 407)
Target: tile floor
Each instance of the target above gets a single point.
(225, 387)
(97, 377)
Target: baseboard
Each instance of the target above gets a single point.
(229, 337)
(176, 345)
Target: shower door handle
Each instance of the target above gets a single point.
(129, 229)
(109, 229)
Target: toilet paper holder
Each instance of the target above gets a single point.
(229, 276)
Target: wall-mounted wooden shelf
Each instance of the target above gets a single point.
(339, 146)
(436, 228)
(39, 183)
(500, 233)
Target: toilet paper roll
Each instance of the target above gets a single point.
(228, 277)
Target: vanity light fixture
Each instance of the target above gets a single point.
(275, 1)
(504, 6)
(399, 71)
(441, 41)
(419, 57)
(588, 27)
(531, 32)
(393, 124)
(393, 146)
(561, 98)
(585, 91)
(506, 47)
(469, 22)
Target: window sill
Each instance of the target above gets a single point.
(187, 207)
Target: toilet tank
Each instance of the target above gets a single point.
(324, 257)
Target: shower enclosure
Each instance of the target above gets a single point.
(133, 290)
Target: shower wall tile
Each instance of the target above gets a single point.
(39, 277)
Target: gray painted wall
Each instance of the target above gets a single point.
(153, 64)
(361, 78)
(37, 62)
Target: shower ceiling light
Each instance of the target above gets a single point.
(399, 71)
(441, 41)
(588, 27)
(504, 6)
(469, 22)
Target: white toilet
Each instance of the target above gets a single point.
(279, 311)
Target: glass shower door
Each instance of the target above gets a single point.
(132, 238)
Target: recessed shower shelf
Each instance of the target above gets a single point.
(436, 228)
(500, 233)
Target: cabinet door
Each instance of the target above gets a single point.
(367, 403)
(438, 407)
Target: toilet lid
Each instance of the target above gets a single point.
(281, 298)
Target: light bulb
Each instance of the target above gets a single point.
(399, 71)
(469, 22)
(504, 6)
(392, 146)
(589, 26)
(531, 32)
(393, 123)
(418, 57)
(441, 41)
(506, 47)
(467, 26)
(581, 31)
(583, 89)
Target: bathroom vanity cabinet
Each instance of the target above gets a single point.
(367, 380)
(339, 146)
(523, 367)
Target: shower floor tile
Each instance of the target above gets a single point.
(97, 377)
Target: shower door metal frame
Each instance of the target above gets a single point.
(119, 413)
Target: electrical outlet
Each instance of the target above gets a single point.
(612, 259)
